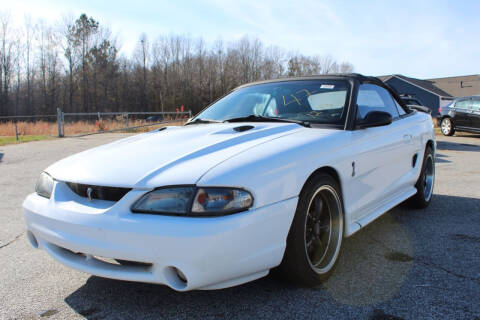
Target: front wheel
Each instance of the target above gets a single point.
(425, 182)
(316, 234)
(447, 127)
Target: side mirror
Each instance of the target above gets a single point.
(375, 119)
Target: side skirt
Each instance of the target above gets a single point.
(467, 129)
(379, 210)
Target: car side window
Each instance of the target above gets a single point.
(374, 98)
(462, 104)
(476, 105)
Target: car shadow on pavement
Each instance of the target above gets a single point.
(441, 158)
(455, 146)
(468, 135)
(378, 264)
(1, 156)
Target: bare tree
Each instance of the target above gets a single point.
(345, 67)
(142, 55)
(83, 30)
(6, 57)
(78, 67)
(29, 30)
(19, 55)
(42, 60)
(69, 52)
(327, 64)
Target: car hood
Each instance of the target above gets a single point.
(174, 155)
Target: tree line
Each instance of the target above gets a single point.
(76, 65)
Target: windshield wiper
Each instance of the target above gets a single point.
(199, 120)
(254, 118)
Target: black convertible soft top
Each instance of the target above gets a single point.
(359, 77)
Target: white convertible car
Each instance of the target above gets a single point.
(273, 175)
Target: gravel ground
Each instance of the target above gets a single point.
(406, 265)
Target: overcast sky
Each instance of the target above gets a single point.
(416, 38)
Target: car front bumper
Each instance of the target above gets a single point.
(182, 252)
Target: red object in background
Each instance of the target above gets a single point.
(181, 108)
(176, 110)
(439, 109)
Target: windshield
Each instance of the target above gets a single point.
(315, 101)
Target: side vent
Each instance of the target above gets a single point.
(243, 128)
(157, 130)
(414, 160)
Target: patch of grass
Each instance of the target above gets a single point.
(25, 128)
(11, 139)
(45, 128)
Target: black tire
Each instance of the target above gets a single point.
(318, 221)
(425, 182)
(447, 127)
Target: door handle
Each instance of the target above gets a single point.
(407, 137)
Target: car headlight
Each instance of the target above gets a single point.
(193, 201)
(44, 185)
(209, 201)
(166, 200)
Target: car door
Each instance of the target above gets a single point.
(383, 155)
(461, 113)
(475, 114)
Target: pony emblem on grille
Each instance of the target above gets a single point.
(89, 194)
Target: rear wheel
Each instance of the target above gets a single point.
(447, 127)
(316, 234)
(425, 182)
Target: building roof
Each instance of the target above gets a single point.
(384, 78)
(459, 86)
(424, 84)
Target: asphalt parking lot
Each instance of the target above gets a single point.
(406, 265)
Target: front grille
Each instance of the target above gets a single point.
(98, 192)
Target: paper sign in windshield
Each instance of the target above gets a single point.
(327, 86)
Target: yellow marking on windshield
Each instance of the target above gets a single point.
(308, 93)
(298, 101)
(314, 114)
(285, 103)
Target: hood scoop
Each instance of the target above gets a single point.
(243, 128)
